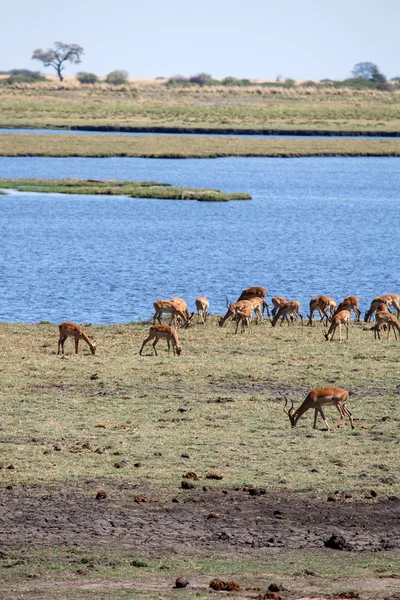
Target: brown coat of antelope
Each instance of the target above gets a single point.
(384, 317)
(341, 318)
(230, 313)
(243, 315)
(377, 304)
(169, 307)
(350, 303)
(163, 332)
(68, 329)
(322, 304)
(318, 398)
(183, 307)
(290, 309)
(277, 301)
(256, 292)
(202, 306)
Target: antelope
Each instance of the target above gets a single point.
(163, 332)
(395, 302)
(78, 333)
(181, 304)
(169, 307)
(230, 313)
(243, 315)
(277, 301)
(377, 304)
(318, 398)
(331, 308)
(202, 305)
(290, 308)
(322, 305)
(255, 292)
(350, 303)
(386, 318)
(339, 319)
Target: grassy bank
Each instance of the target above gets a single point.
(234, 386)
(134, 189)
(149, 104)
(102, 146)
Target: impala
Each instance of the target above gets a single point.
(169, 307)
(322, 305)
(230, 313)
(339, 319)
(350, 303)
(277, 301)
(377, 304)
(253, 291)
(290, 309)
(395, 302)
(163, 332)
(386, 318)
(318, 398)
(78, 333)
(202, 306)
(183, 307)
(243, 315)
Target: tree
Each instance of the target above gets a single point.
(57, 56)
(364, 70)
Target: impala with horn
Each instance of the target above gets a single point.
(318, 398)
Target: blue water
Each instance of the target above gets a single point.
(314, 226)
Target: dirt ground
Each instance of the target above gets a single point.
(198, 522)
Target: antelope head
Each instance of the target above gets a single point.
(178, 350)
(290, 413)
(92, 346)
(187, 322)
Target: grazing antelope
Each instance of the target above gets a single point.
(243, 315)
(169, 307)
(395, 302)
(256, 292)
(290, 309)
(322, 305)
(379, 303)
(78, 333)
(202, 306)
(384, 317)
(181, 304)
(350, 303)
(318, 398)
(339, 319)
(163, 332)
(230, 313)
(277, 301)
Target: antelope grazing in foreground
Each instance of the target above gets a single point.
(163, 332)
(385, 318)
(322, 304)
(202, 306)
(78, 333)
(290, 309)
(230, 313)
(341, 318)
(378, 304)
(169, 307)
(350, 303)
(243, 315)
(318, 398)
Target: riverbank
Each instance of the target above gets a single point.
(101, 146)
(133, 189)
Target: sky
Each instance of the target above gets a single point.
(255, 39)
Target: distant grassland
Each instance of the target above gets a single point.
(134, 189)
(233, 386)
(188, 146)
(152, 104)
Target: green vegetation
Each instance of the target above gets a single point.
(134, 189)
(84, 77)
(103, 146)
(117, 77)
(331, 106)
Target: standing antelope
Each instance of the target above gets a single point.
(169, 307)
(78, 333)
(163, 332)
(256, 292)
(318, 398)
(377, 304)
(290, 309)
(341, 318)
(350, 303)
(322, 304)
(384, 317)
(202, 306)
(243, 315)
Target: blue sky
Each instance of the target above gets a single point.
(260, 39)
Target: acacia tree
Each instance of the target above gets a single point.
(57, 57)
(364, 70)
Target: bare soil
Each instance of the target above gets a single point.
(198, 522)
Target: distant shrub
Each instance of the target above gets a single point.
(84, 77)
(203, 79)
(355, 83)
(231, 81)
(289, 83)
(178, 80)
(117, 77)
(24, 76)
(309, 83)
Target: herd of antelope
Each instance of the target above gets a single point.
(253, 300)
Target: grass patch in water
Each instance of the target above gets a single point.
(134, 189)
